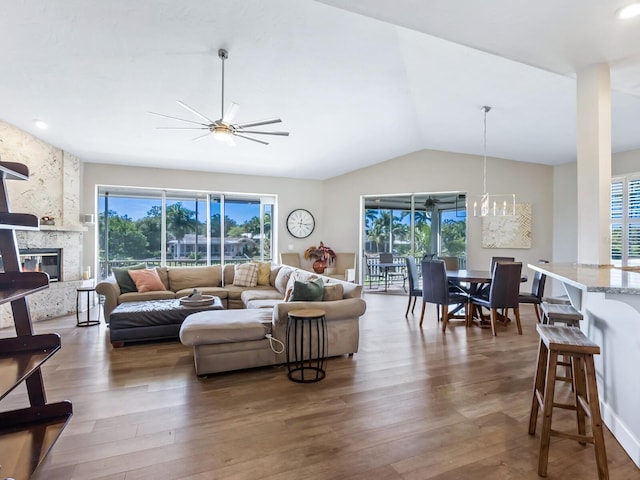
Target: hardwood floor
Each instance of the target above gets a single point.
(411, 404)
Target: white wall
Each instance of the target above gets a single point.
(435, 171)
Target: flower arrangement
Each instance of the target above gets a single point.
(321, 252)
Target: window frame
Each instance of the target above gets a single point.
(622, 218)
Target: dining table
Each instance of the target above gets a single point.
(473, 282)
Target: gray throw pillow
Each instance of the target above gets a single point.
(125, 282)
(311, 291)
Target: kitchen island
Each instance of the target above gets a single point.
(609, 299)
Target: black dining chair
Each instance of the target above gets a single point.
(504, 293)
(495, 260)
(435, 289)
(535, 297)
(415, 290)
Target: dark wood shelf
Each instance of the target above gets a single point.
(14, 171)
(26, 434)
(24, 445)
(21, 356)
(16, 285)
(19, 221)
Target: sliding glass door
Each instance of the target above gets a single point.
(418, 225)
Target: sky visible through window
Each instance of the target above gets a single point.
(137, 208)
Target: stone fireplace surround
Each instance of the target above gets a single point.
(53, 190)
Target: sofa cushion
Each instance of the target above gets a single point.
(123, 278)
(225, 326)
(146, 280)
(215, 291)
(245, 275)
(282, 279)
(311, 291)
(333, 292)
(193, 277)
(260, 293)
(273, 274)
(264, 272)
(163, 273)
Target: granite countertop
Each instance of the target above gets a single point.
(593, 278)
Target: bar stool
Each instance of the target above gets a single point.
(572, 343)
(553, 313)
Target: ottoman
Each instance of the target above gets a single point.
(225, 340)
(150, 320)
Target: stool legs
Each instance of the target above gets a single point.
(547, 411)
(586, 404)
(596, 419)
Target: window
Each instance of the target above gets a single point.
(625, 220)
(181, 228)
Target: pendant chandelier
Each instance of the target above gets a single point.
(492, 204)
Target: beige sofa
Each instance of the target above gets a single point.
(342, 314)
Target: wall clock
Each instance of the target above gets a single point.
(300, 223)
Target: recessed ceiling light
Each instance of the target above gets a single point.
(630, 11)
(40, 124)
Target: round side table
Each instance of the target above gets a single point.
(307, 345)
(88, 322)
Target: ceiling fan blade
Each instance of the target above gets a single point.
(178, 118)
(195, 112)
(230, 114)
(182, 128)
(256, 124)
(201, 136)
(285, 134)
(252, 139)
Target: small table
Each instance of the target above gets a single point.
(88, 322)
(307, 345)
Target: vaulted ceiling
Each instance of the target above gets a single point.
(355, 82)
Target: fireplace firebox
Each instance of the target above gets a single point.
(48, 260)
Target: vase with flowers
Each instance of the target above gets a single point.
(322, 256)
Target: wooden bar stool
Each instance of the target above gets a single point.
(572, 343)
(553, 313)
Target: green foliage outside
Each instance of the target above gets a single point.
(141, 239)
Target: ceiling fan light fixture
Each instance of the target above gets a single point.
(222, 133)
(630, 11)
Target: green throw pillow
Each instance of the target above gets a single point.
(123, 278)
(311, 291)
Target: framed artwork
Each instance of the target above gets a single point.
(508, 232)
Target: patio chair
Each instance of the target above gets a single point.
(393, 272)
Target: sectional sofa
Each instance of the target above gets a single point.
(342, 303)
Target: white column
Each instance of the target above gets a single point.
(594, 164)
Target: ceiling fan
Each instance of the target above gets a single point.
(223, 129)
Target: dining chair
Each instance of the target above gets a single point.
(393, 272)
(503, 293)
(451, 263)
(495, 260)
(415, 290)
(435, 289)
(537, 291)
